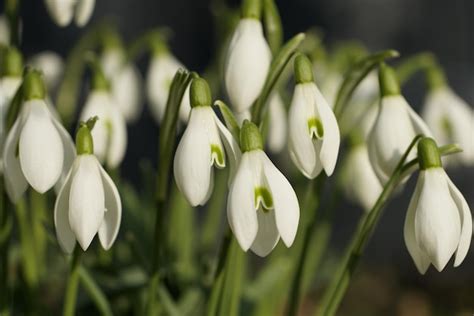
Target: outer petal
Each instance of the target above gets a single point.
(192, 161)
(301, 144)
(40, 148)
(285, 202)
(421, 260)
(267, 235)
(331, 139)
(232, 148)
(84, 10)
(437, 220)
(61, 11)
(277, 127)
(241, 212)
(86, 200)
(64, 233)
(109, 228)
(419, 125)
(15, 181)
(466, 222)
(247, 63)
(127, 92)
(118, 138)
(69, 152)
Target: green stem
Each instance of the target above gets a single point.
(95, 293)
(411, 65)
(38, 205)
(334, 294)
(12, 8)
(73, 283)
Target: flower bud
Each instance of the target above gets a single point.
(250, 138)
(33, 86)
(303, 69)
(84, 142)
(200, 93)
(428, 154)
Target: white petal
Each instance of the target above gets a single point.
(277, 126)
(86, 200)
(40, 148)
(192, 161)
(419, 125)
(301, 144)
(285, 202)
(84, 10)
(241, 212)
(126, 88)
(69, 152)
(331, 138)
(15, 181)
(231, 146)
(466, 222)
(421, 260)
(64, 233)
(437, 220)
(247, 63)
(113, 215)
(61, 11)
(118, 138)
(267, 235)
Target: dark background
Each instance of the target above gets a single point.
(409, 26)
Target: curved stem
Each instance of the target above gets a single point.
(73, 283)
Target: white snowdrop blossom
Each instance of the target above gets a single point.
(161, 71)
(110, 132)
(262, 205)
(451, 120)
(64, 11)
(51, 65)
(126, 83)
(313, 131)
(88, 202)
(247, 64)
(394, 129)
(206, 143)
(277, 124)
(438, 223)
(37, 149)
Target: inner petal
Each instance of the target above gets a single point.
(263, 199)
(217, 156)
(315, 128)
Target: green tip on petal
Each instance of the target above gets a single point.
(84, 141)
(303, 69)
(250, 137)
(252, 9)
(435, 78)
(428, 154)
(33, 85)
(200, 93)
(388, 81)
(12, 63)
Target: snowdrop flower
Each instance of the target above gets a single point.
(163, 67)
(248, 59)
(313, 131)
(202, 147)
(125, 79)
(395, 127)
(438, 223)
(88, 202)
(110, 132)
(38, 148)
(277, 124)
(64, 11)
(449, 117)
(262, 205)
(52, 66)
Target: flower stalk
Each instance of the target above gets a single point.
(73, 283)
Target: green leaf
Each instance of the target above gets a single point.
(229, 119)
(355, 75)
(272, 23)
(281, 59)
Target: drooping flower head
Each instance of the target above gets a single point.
(38, 150)
(206, 143)
(88, 202)
(248, 59)
(64, 11)
(438, 223)
(110, 132)
(449, 117)
(262, 205)
(395, 126)
(313, 131)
